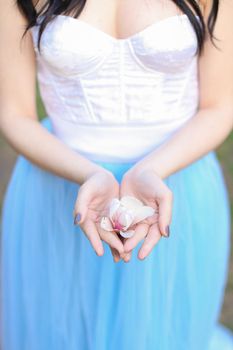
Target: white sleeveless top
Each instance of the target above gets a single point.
(116, 99)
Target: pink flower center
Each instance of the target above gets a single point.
(117, 226)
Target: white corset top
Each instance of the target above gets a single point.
(117, 99)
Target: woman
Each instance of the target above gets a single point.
(138, 95)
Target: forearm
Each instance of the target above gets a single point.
(29, 138)
(201, 134)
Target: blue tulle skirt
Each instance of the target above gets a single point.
(57, 294)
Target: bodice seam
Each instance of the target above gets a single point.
(117, 125)
(87, 104)
(139, 62)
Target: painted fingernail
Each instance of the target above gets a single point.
(167, 231)
(77, 219)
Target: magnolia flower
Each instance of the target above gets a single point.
(124, 214)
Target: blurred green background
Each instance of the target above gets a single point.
(225, 155)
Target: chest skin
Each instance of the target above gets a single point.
(123, 18)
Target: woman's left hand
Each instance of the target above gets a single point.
(143, 183)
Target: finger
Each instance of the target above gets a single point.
(112, 240)
(141, 231)
(127, 256)
(150, 241)
(81, 205)
(115, 254)
(92, 234)
(153, 218)
(165, 213)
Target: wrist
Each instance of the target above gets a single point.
(93, 169)
(149, 164)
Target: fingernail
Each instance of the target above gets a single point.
(77, 219)
(115, 259)
(122, 255)
(142, 256)
(126, 257)
(167, 230)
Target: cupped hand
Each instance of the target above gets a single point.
(91, 204)
(142, 182)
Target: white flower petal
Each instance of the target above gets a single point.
(113, 206)
(142, 213)
(127, 234)
(106, 224)
(131, 202)
(125, 219)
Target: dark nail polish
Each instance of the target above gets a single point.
(77, 219)
(167, 231)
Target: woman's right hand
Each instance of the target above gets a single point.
(93, 198)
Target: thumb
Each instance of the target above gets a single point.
(165, 213)
(81, 206)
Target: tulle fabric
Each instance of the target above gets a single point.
(57, 294)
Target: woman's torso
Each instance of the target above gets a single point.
(119, 80)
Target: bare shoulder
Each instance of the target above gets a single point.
(17, 61)
(10, 14)
(215, 63)
(223, 6)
